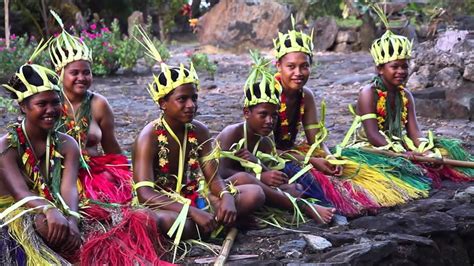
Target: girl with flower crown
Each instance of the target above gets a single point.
(298, 112)
(38, 196)
(88, 117)
(386, 119)
(175, 166)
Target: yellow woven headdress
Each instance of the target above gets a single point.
(170, 77)
(268, 88)
(49, 79)
(66, 48)
(390, 46)
(293, 41)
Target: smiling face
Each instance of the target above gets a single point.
(261, 118)
(181, 103)
(42, 109)
(77, 77)
(394, 73)
(294, 69)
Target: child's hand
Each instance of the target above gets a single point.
(323, 166)
(227, 213)
(274, 178)
(204, 220)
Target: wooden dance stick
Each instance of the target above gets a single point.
(418, 158)
(226, 246)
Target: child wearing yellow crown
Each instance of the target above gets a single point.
(88, 117)
(298, 110)
(385, 109)
(249, 145)
(175, 167)
(105, 181)
(38, 196)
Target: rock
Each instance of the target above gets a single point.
(325, 32)
(343, 47)
(136, 18)
(450, 39)
(348, 36)
(345, 237)
(360, 254)
(465, 211)
(243, 24)
(408, 223)
(417, 81)
(429, 93)
(297, 245)
(317, 243)
(461, 94)
(469, 72)
(440, 108)
(470, 190)
(448, 77)
(449, 59)
(294, 254)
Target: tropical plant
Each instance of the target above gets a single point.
(201, 63)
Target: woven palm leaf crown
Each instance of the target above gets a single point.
(261, 86)
(49, 79)
(293, 41)
(66, 48)
(170, 77)
(390, 46)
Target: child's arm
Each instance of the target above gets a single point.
(366, 104)
(227, 212)
(413, 129)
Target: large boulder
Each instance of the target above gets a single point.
(325, 33)
(243, 24)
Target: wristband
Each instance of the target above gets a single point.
(223, 192)
(46, 208)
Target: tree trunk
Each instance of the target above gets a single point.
(44, 14)
(7, 23)
(195, 12)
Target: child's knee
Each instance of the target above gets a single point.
(243, 178)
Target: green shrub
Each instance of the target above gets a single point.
(201, 63)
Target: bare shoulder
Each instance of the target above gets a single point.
(367, 89)
(4, 144)
(146, 133)
(100, 106)
(231, 130)
(67, 142)
(308, 93)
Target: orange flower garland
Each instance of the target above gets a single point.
(381, 107)
(284, 128)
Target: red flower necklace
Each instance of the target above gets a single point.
(19, 139)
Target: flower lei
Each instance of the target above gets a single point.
(381, 107)
(284, 128)
(17, 139)
(192, 172)
(77, 127)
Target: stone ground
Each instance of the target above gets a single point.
(435, 231)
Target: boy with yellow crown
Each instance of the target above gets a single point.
(174, 163)
(249, 144)
(38, 196)
(385, 109)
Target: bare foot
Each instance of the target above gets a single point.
(324, 214)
